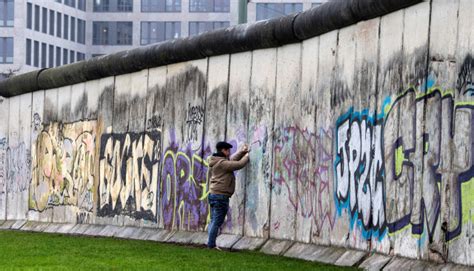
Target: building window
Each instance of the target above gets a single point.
(37, 18)
(97, 55)
(272, 10)
(161, 5)
(124, 33)
(209, 5)
(112, 33)
(152, 32)
(113, 5)
(196, 28)
(51, 56)
(6, 50)
(43, 55)
(72, 56)
(28, 52)
(71, 3)
(73, 29)
(44, 27)
(81, 31)
(101, 5)
(36, 54)
(7, 12)
(58, 24)
(59, 1)
(80, 56)
(51, 22)
(65, 56)
(125, 5)
(81, 5)
(101, 33)
(316, 4)
(66, 27)
(29, 15)
(58, 56)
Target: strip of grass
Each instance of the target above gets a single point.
(42, 251)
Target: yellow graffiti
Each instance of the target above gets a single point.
(180, 207)
(63, 166)
(128, 174)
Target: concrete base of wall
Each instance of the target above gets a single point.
(309, 252)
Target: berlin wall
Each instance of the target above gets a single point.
(362, 137)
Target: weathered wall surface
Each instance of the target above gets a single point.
(362, 137)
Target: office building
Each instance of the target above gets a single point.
(37, 34)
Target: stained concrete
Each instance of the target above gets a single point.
(18, 224)
(181, 237)
(276, 247)
(127, 232)
(350, 258)
(249, 243)
(7, 224)
(317, 253)
(140, 234)
(94, 230)
(161, 236)
(145, 233)
(64, 228)
(227, 240)
(375, 262)
(109, 231)
(79, 229)
(34, 226)
(199, 238)
(52, 228)
(303, 251)
(329, 255)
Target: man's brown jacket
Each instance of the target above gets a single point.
(222, 173)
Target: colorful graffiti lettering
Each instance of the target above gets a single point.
(128, 175)
(184, 189)
(3, 170)
(63, 166)
(308, 165)
(416, 162)
(359, 170)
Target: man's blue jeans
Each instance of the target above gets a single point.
(219, 206)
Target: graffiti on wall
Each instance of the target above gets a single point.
(18, 168)
(391, 169)
(359, 169)
(308, 165)
(194, 118)
(128, 175)
(184, 188)
(63, 159)
(3, 169)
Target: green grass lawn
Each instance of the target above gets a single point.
(40, 251)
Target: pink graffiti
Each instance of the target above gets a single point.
(305, 157)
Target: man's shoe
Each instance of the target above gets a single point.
(217, 248)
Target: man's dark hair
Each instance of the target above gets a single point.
(222, 145)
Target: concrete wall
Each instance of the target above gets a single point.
(363, 138)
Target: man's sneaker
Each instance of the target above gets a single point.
(217, 248)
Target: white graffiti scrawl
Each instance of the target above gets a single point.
(359, 170)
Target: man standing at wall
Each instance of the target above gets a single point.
(222, 184)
